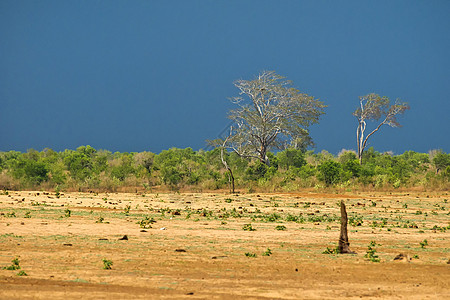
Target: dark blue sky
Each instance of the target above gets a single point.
(150, 75)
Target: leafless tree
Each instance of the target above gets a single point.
(225, 164)
(373, 107)
(271, 114)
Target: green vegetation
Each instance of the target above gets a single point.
(280, 227)
(15, 265)
(107, 264)
(248, 227)
(88, 169)
(101, 220)
(146, 222)
(371, 252)
(268, 252)
(334, 250)
(423, 244)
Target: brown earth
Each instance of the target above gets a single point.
(201, 251)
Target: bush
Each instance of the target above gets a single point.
(107, 264)
(352, 166)
(330, 172)
(441, 161)
(123, 168)
(171, 176)
(291, 158)
(33, 172)
(86, 169)
(256, 171)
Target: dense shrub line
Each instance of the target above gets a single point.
(89, 169)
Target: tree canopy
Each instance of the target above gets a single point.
(374, 107)
(271, 113)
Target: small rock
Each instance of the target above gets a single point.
(124, 238)
(67, 244)
(180, 250)
(163, 228)
(403, 257)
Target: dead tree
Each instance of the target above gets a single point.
(343, 237)
(372, 108)
(225, 164)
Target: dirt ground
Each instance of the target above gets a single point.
(222, 246)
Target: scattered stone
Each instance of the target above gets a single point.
(124, 238)
(163, 228)
(180, 250)
(403, 257)
(143, 230)
(191, 293)
(67, 244)
(102, 239)
(216, 257)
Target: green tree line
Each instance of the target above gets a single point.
(86, 169)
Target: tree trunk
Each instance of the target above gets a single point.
(343, 238)
(262, 154)
(230, 173)
(231, 180)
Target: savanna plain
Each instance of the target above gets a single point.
(221, 246)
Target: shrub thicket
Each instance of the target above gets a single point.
(89, 169)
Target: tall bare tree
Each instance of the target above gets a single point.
(373, 107)
(271, 114)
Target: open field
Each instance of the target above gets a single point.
(201, 246)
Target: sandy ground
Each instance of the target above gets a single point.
(198, 248)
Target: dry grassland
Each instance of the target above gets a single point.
(202, 246)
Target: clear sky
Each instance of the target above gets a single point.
(150, 75)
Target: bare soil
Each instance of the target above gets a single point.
(198, 248)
